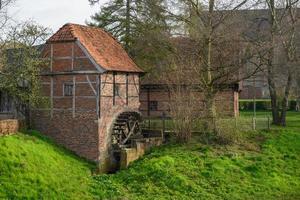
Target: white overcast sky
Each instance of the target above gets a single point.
(54, 13)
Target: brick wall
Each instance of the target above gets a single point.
(79, 134)
(226, 102)
(71, 121)
(112, 106)
(9, 126)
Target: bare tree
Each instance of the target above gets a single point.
(4, 20)
(4, 17)
(185, 107)
(221, 51)
(283, 38)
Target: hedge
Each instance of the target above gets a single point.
(247, 105)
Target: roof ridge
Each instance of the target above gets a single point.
(72, 30)
(97, 28)
(71, 25)
(67, 25)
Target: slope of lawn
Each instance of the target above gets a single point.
(265, 166)
(31, 167)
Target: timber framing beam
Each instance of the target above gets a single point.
(51, 97)
(148, 102)
(51, 82)
(196, 87)
(126, 89)
(91, 85)
(74, 97)
(71, 73)
(99, 96)
(98, 67)
(96, 91)
(114, 88)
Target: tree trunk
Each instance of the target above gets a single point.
(298, 104)
(285, 102)
(298, 92)
(209, 95)
(210, 112)
(209, 43)
(127, 22)
(273, 95)
(270, 66)
(28, 117)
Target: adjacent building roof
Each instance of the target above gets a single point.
(102, 46)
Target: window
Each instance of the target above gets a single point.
(68, 89)
(153, 105)
(5, 103)
(117, 89)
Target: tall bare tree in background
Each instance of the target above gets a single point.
(4, 19)
(4, 5)
(4, 24)
(284, 35)
(221, 51)
(184, 105)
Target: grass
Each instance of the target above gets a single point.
(266, 168)
(32, 167)
(197, 171)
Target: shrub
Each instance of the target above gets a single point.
(227, 132)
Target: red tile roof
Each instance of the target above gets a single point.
(102, 46)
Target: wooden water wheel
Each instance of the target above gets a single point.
(126, 127)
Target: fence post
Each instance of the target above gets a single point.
(235, 122)
(149, 124)
(254, 123)
(269, 124)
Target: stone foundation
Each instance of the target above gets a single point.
(141, 146)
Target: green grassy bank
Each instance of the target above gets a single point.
(265, 166)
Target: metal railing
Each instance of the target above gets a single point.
(166, 124)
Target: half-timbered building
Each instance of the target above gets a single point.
(93, 91)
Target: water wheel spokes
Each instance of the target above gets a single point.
(126, 127)
(131, 131)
